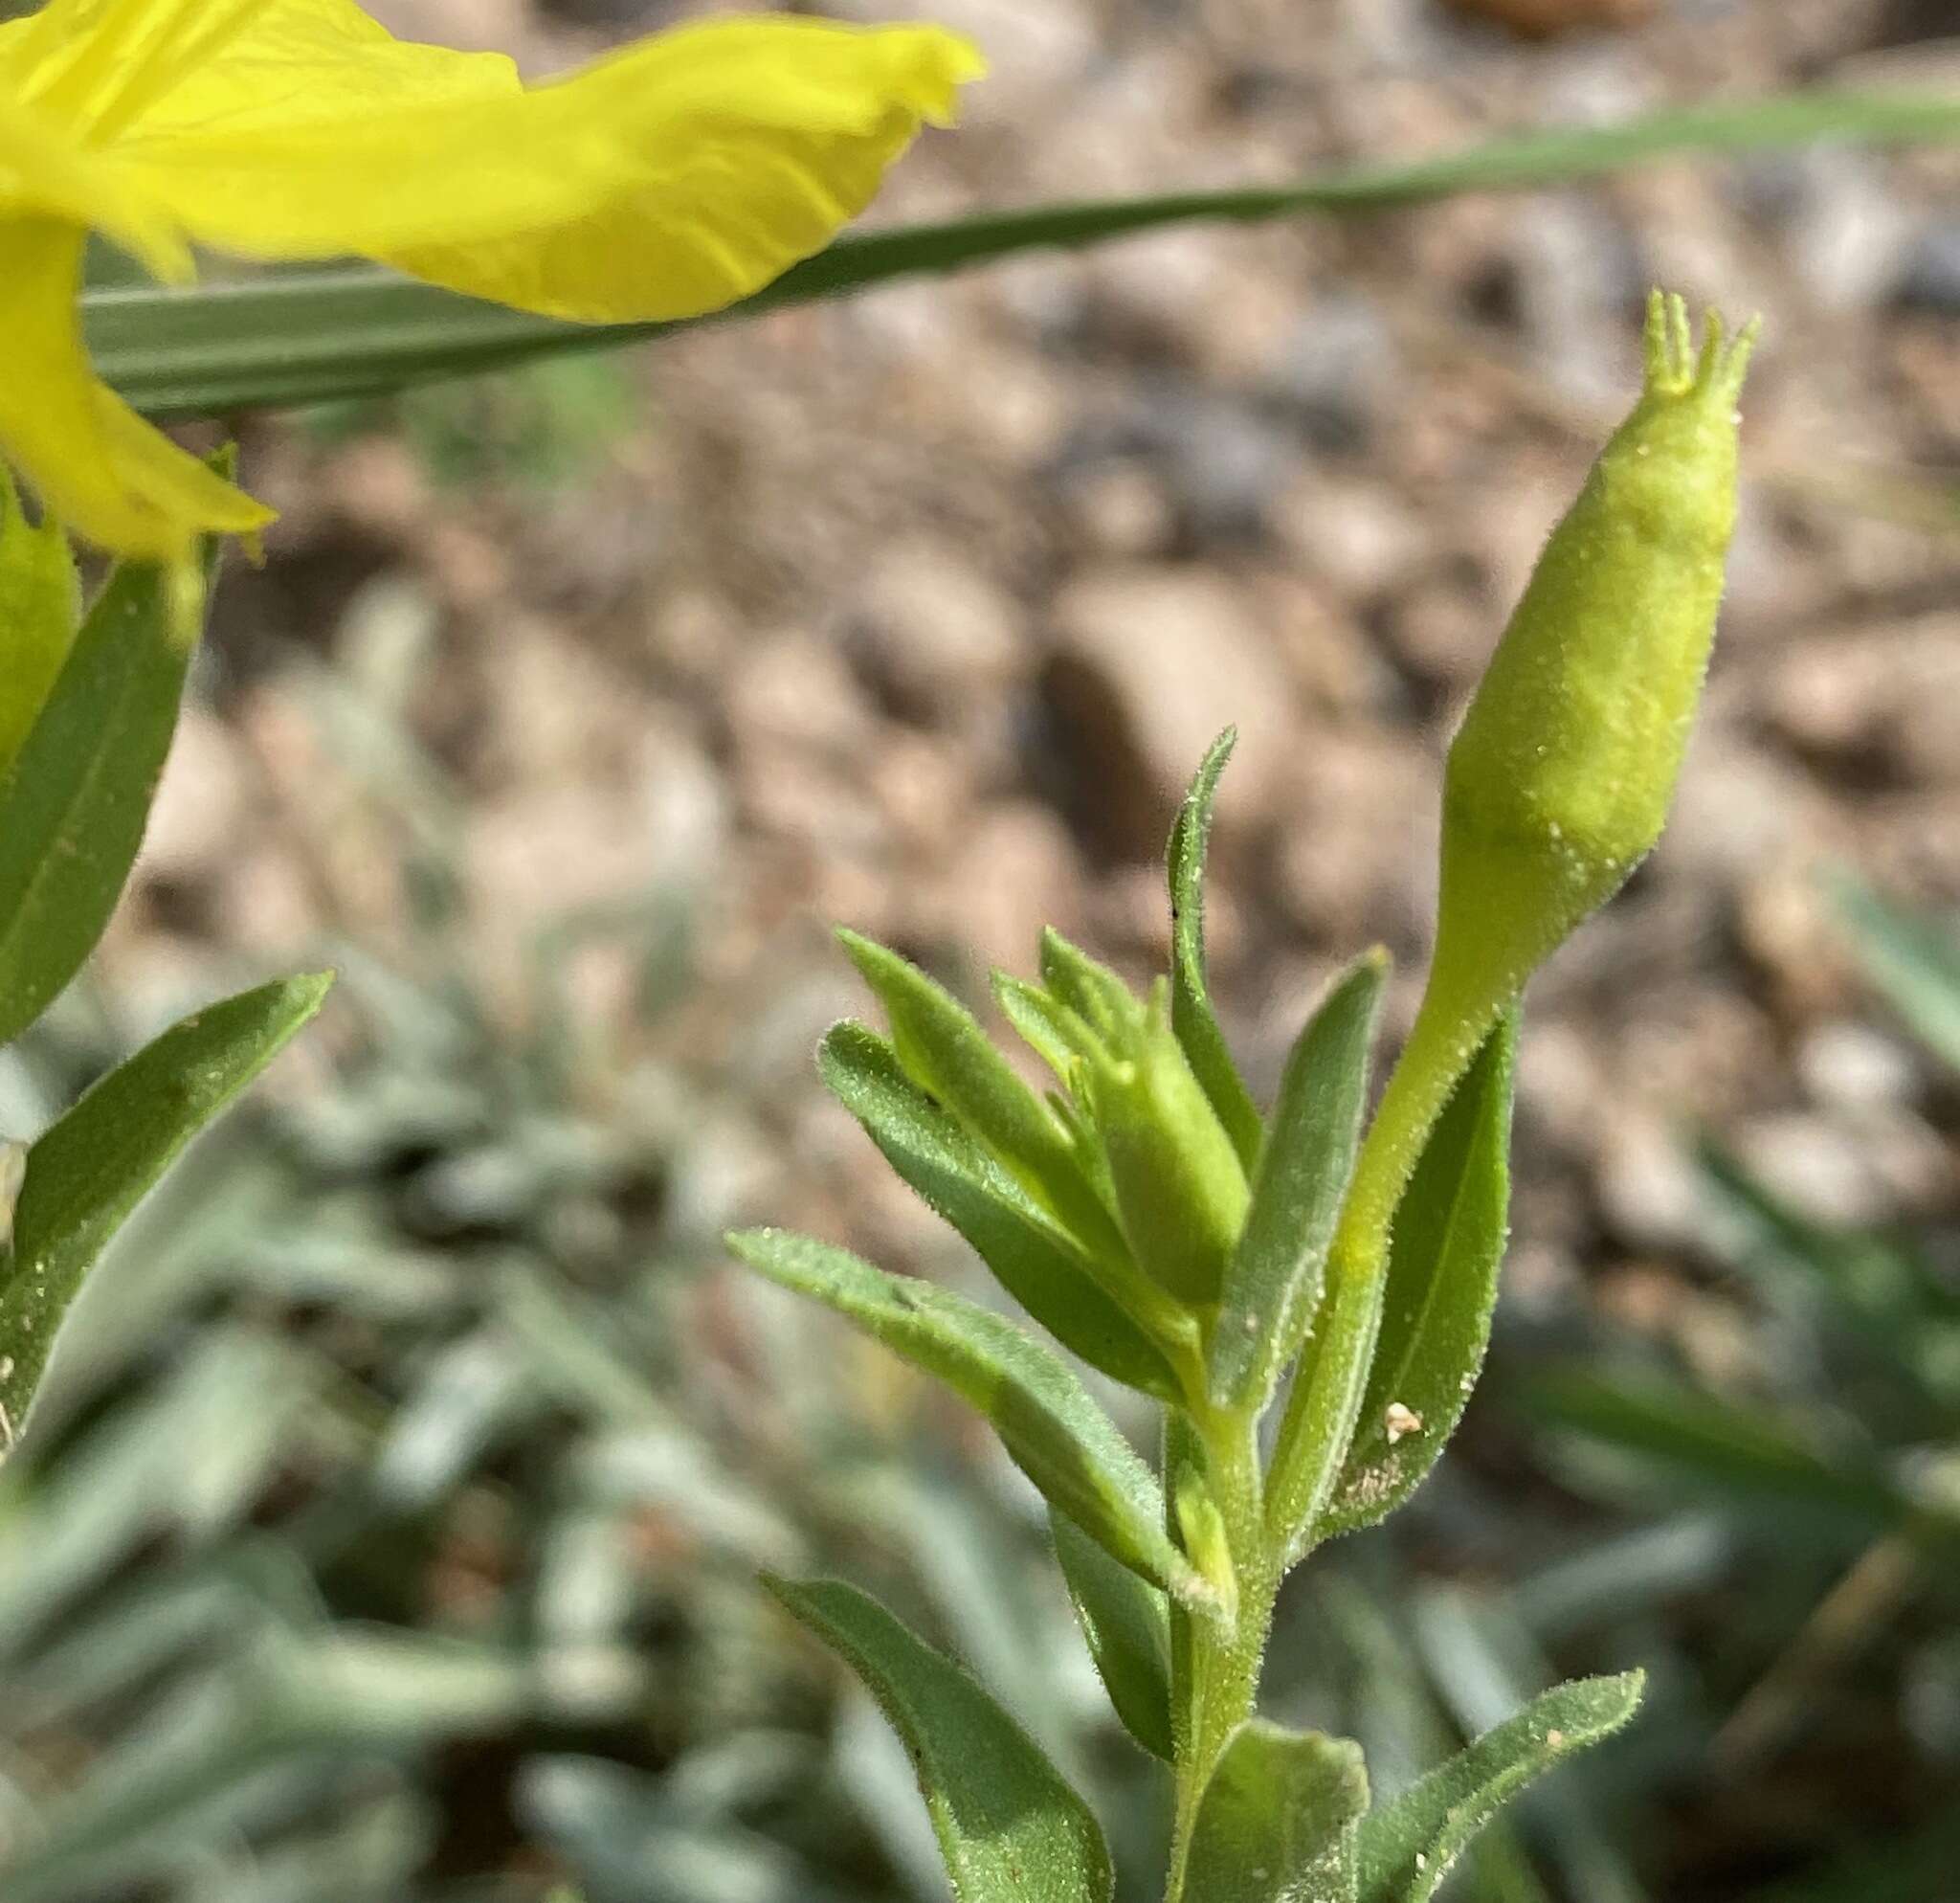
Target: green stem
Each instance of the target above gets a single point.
(1325, 1402)
(1216, 1664)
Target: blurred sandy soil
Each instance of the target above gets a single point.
(915, 613)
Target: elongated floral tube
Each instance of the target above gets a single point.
(1560, 778)
(1558, 785)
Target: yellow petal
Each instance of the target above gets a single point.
(45, 170)
(97, 466)
(670, 179)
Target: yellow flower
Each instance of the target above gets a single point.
(671, 178)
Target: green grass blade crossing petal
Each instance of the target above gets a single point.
(315, 336)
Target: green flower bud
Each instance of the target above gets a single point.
(1561, 775)
(1560, 778)
(1181, 1194)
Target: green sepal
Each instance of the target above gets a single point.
(1445, 1253)
(1280, 1819)
(1010, 1826)
(1273, 1282)
(91, 1166)
(1125, 1622)
(1407, 1847)
(1045, 1270)
(1190, 1001)
(1055, 1432)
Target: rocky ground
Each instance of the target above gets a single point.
(917, 611)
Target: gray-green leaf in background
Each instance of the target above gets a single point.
(1125, 1622)
(1407, 1847)
(74, 800)
(93, 1164)
(40, 609)
(1278, 1820)
(1914, 960)
(1045, 1417)
(1444, 1256)
(1191, 1015)
(1273, 1282)
(1010, 1829)
(1039, 1265)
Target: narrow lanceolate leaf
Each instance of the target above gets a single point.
(312, 336)
(91, 1168)
(1089, 989)
(1055, 1433)
(40, 609)
(1408, 1847)
(1032, 1260)
(1443, 1262)
(1190, 1001)
(1272, 1283)
(947, 1053)
(1126, 1623)
(75, 801)
(1010, 1829)
(1278, 1820)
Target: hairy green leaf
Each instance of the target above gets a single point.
(91, 1168)
(1055, 1433)
(1190, 1001)
(1126, 1623)
(1444, 1256)
(1278, 1818)
(1272, 1283)
(1038, 1264)
(1009, 1826)
(308, 337)
(1407, 1846)
(74, 803)
(1089, 989)
(40, 609)
(947, 1053)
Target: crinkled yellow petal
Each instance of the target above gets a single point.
(287, 64)
(96, 465)
(665, 181)
(42, 171)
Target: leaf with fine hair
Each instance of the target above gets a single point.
(1125, 1622)
(1278, 1818)
(1055, 1433)
(1042, 1268)
(1273, 1282)
(1407, 1847)
(1010, 1826)
(90, 1168)
(1191, 1015)
(943, 1051)
(1444, 1255)
(75, 801)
